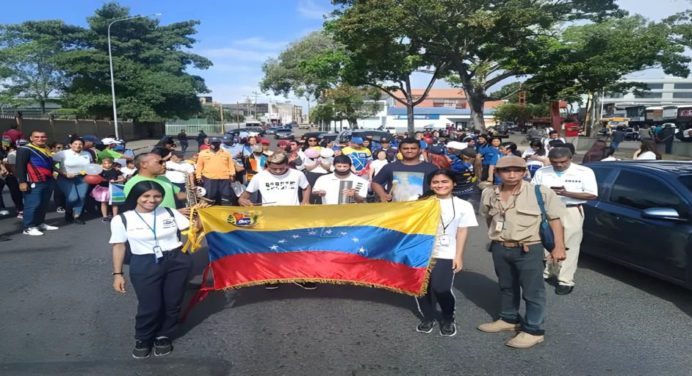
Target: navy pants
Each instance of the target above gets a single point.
(36, 201)
(160, 288)
(220, 191)
(520, 275)
(440, 289)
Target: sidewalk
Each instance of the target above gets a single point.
(139, 146)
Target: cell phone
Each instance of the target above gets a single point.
(557, 187)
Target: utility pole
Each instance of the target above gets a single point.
(223, 124)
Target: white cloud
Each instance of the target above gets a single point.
(309, 9)
(260, 44)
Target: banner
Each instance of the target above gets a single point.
(377, 245)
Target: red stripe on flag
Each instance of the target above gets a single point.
(249, 269)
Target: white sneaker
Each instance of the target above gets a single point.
(4, 212)
(33, 231)
(45, 227)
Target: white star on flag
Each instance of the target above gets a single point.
(274, 247)
(295, 236)
(355, 240)
(328, 231)
(281, 241)
(361, 250)
(312, 233)
(343, 233)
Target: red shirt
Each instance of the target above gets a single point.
(571, 129)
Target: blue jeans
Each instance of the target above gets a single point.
(36, 201)
(520, 274)
(75, 191)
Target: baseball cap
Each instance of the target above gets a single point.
(437, 149)
(109, 141)
(213, 140)
(264, 141)
(510, 161)
(357, 140)
(91, 138)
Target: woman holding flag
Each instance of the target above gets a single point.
(158, 268)
(456, 216)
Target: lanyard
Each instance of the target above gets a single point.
(454, 214)
(153, 229)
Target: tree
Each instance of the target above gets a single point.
(352, 103)
(592, 58)
(28, 61)
(480, 42)
(305, 68)
(150, 63)
(382, 49)
(516, 113)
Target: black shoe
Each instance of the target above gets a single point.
(425, 326)
(142, 349)
(563, 290)
(448, 328)
(79, 221)
(271, 286)
(307, 285)
(162, 346)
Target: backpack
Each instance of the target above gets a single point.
(128, 252)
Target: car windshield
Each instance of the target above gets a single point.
(686, 180)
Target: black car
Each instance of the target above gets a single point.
(642, 218)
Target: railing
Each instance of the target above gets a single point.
(192, 126)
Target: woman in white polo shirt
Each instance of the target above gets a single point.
(158, 268)
(456, 217)
(72, 163)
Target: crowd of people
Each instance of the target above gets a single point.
(450, 165)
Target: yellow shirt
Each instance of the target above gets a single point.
(211, 165)
(522, 215)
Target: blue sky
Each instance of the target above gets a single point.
(239, 35)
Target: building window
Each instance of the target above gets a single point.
(683, 86)
(655, 86)
(683, 95)
(648, 95)
(614, 95)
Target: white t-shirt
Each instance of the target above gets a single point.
(278, 190)
(141, 236)
(527, 153)
(177, 172)
(376, 165)
(647, 156)
(456, 213)
(73, 163)
(575, 178)
(127, 172)
(332, 185)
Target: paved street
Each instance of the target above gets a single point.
(61, 316)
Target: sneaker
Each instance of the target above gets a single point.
(78, 221)
(162, 346)
(106, 219)
(307, 285)
(448, 328)
(20, 215)
(525, 340)
(32, 231)
(4, 212)
(563, 290)
(498, 326)
(425, 326)
(142, 350)
(271, 286)
(60, 210)
(45, 227)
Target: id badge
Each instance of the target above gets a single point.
(158, 252)
(499, 226)
(444, 240)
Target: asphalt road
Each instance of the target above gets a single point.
(60, 316)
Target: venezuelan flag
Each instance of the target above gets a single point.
(378, 245)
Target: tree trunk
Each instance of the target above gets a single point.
(410, 119)
(476, 103)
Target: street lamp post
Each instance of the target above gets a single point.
(110, 63)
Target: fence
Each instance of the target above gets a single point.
(192, 126)
(59, 130)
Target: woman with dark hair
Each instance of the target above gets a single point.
(456, 216)
(509, 148)
(595, 152)
(536, 157)
(158, 268)
(71, 166)
(647, 151)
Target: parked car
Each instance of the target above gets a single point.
(642, 218)
(631, 134)
(345, 135)
(327, 138)
(283, 133)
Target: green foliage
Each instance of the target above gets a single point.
(351, 103)
(305, 68)
(516, 113)
(41, 60)
(28, 61)
(213, 114)
(593, 57)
